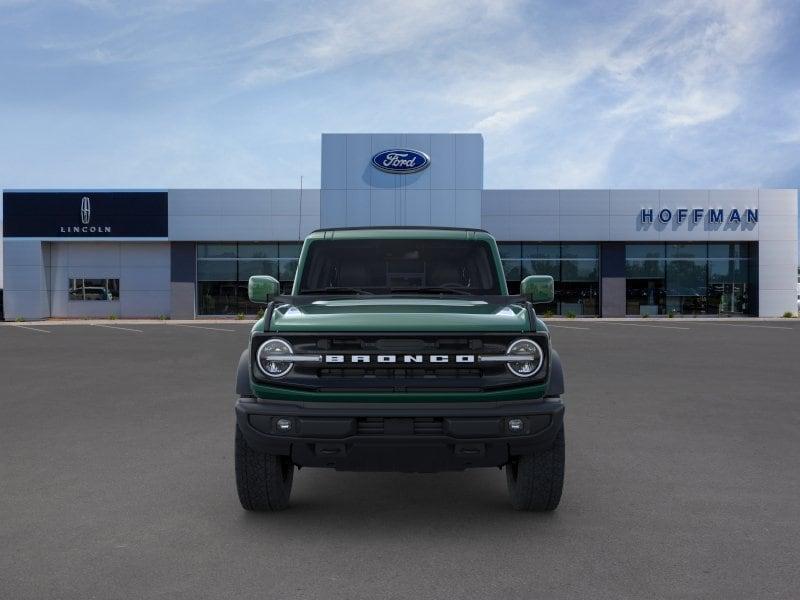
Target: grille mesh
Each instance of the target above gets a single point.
(417, 373)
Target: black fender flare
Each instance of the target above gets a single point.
(243, 376)
(555, 387)
(243, 388)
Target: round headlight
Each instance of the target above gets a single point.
(266, 361)
(533, 358)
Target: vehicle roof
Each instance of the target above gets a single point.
(400, 232)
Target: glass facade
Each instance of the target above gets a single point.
(224, 268)
(575, 268)
(661, 278)
(688, 279)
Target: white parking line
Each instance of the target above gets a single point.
(569, 327)
(643, 325)
(114, 327)
(200, 327)
(31, 328)
(745, 325)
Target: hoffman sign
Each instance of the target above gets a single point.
(696, 215)
(48, 215)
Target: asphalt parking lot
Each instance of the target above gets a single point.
(682, 479)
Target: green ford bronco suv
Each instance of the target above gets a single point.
(400, 349)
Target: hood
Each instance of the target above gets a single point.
(494, 314)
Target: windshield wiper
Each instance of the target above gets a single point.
(336, 290)
(439, 289)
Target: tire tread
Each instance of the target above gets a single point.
(260, 482)
(535, 481)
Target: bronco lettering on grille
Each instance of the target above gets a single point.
(400, 358)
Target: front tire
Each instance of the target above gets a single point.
(263, 481)
(535, 480)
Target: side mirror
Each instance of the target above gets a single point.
(538, 288)
(262, 288)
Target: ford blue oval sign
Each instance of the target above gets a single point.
(401, 161)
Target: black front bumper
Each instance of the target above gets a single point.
(399, 436)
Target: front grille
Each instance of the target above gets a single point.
(405, 375)
(401, 376)
(382, 344)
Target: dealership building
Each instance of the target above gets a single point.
(185, 253)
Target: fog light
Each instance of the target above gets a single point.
(284, 424)
(516, 425)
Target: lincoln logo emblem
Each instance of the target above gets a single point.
(86, 210)
(86, 218)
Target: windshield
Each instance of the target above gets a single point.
(398, 266)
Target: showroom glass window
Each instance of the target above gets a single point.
(93, 289)
(223, 270)
(573, 266)
(688, 279)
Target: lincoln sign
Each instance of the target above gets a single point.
(84, 214)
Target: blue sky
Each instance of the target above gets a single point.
(199, 93)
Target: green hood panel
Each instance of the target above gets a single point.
(399, 314)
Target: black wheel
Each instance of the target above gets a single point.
(264, 481)
(535, 480)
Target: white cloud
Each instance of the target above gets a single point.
(503, 120)
(139, 8)
(570, 97)
(687, 70)
(313, 42)
(684, 66)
